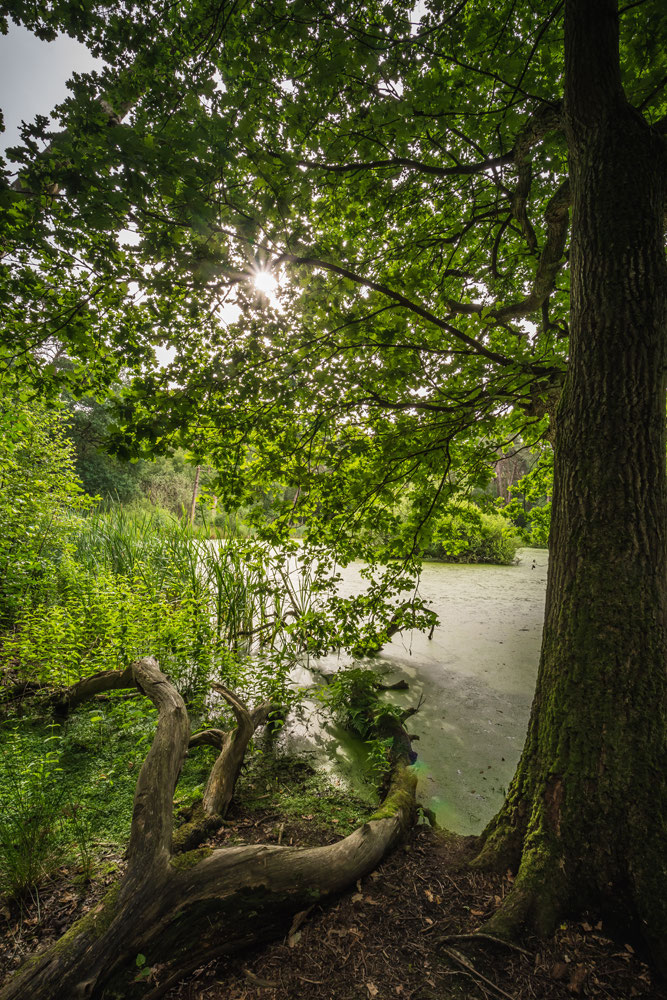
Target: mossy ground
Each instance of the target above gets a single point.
(302, 797)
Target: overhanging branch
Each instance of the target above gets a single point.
(475, 346)
(556, 216)
(460, 170)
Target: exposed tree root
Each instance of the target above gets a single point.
(177, 909)
(502, 840)
(475, 974)
(553, 883)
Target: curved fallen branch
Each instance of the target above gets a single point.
(480, 936)
(225, 771)
(179, 909)
(106, 680)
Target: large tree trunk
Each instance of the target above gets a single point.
(180, 910)
(585, 815)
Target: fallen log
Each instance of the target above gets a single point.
(179, 910)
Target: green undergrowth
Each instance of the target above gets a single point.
(354, 698)
(67, 789)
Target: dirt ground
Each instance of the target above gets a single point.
(403, 933)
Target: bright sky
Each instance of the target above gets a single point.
(33, 76)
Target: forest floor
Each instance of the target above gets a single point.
(400, 934)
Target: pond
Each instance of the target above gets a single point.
(476, 678)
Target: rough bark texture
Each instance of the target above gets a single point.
(107, 680)
(183, 909)
(585, 816)
(224, 773)
(206, 816)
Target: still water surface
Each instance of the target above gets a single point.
(476, 679)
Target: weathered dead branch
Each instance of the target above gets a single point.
(233, 745)
(179, 909)
(106, 680)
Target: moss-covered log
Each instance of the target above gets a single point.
(180, 909)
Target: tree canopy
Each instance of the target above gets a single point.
(401, 173)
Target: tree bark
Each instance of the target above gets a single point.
(195, 489)
(584, 819)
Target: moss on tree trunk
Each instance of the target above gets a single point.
(584, 819)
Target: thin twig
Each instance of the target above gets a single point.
(480, 935)
(461, 960)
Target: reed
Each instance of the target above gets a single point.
(133, 583)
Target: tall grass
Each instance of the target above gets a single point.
(132, 583)
(239, 579)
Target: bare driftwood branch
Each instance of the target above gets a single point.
(106, 680)
(207, 738)
(180, 909)
(152, 813)
(214, 737)
(233, 745)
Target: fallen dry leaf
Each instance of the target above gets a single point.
(578, 977)
(558, 970)
(294, 935)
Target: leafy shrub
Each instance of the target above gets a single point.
(352, 696)
(39, 494)
(104, 623)
(465, 534)
(38, 824)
